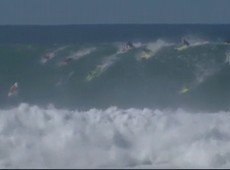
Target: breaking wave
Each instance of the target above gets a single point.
(117, 96)
(35, 137)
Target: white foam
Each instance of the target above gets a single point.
(137, 44)
(108, 61)
(50, 55)
(227, 57)
(203, 72)
(77, 55)
(81, 53)
(154, 47)
(196, 40)
(121, 47)
(199, 43)
(34, 137)
(102, 67)
(157, 45)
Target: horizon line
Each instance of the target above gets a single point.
(115, 24)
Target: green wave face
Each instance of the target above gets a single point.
(98, 75)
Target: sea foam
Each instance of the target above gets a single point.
(35, 137)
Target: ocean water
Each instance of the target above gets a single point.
(81, 95)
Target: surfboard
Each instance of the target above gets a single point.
(13, 90)
(184, 90)
(93, 74)
(145, 55)
(183, 47)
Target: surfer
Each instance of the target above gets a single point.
(145, 53)
(146, 50)
(66, 61)
(128, 46)
(227, 41)
(185, 42)
(47, 57)
(13, 89)
(184, 45)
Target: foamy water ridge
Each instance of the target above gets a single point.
(113, 138)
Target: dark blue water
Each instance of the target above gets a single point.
(108, 33)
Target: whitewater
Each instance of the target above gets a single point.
(31, 137)
(86, 98)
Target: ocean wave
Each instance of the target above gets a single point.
(35, 137)
(50, 54)
(100, 76)
(152, 48)
(76, 55)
